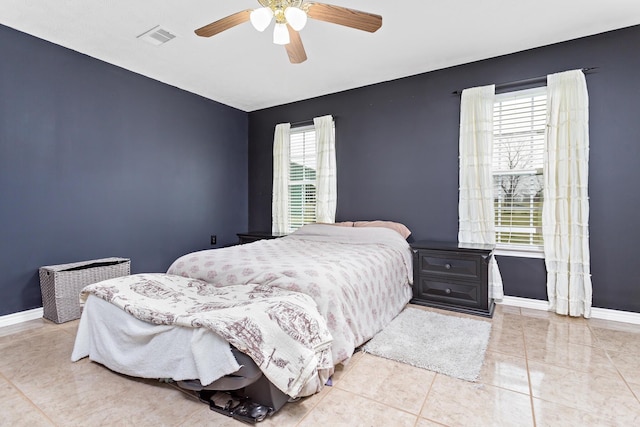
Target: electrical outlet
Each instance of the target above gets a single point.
(213, 239)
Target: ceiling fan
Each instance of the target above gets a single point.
(291, 17)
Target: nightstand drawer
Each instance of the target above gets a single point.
(452, 265)
(459, 293)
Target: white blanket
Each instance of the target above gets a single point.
(110, 336)
(280, 330)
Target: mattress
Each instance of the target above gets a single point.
(360, 278)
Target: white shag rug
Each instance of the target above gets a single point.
(449, 345)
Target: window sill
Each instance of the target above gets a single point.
(519, 252)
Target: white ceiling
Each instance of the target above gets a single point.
(242, 68)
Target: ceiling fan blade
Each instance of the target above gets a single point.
(343, 16)
(295, 49)
(224, 24)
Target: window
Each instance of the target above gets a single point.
(302, 177)
(519, 125)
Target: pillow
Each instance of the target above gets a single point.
(396, 226)
(344, 224)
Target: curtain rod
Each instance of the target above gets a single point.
(302, 123)
(309, 122)
(525, 81)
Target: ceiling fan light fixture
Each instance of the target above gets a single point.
(261, 18)
(290, 16)
(296, 17)
(281, 34)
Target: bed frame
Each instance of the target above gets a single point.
(246, 395)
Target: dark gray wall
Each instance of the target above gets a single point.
(397, 155)
(96, 161)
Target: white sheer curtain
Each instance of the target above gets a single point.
(280, 203)
(326, 184)
(565, 212)
(475, 207)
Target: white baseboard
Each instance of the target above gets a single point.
(22, 316)
(534, 304)
(596, 312)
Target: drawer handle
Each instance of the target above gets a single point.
(447, 291)
(447, 266)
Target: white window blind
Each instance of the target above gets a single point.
(519, 124)
(302, 177)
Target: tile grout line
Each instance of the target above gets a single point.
(532, 397)
(526, 361)
(353, 364)
(382, 403)
(606, 352)
(25, 397)
(501, 387)
(313, 408)
(379, 403)
(424, 401)
(598, 346)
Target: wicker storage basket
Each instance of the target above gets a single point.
(61, 284)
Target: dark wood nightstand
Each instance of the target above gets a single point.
(253, 236)
(452, 276)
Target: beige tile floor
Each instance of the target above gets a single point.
(540, 370)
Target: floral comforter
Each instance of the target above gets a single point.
(360, 278)
(280, 330)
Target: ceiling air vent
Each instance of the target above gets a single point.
(156, 36)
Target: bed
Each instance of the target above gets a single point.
(350, 281)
